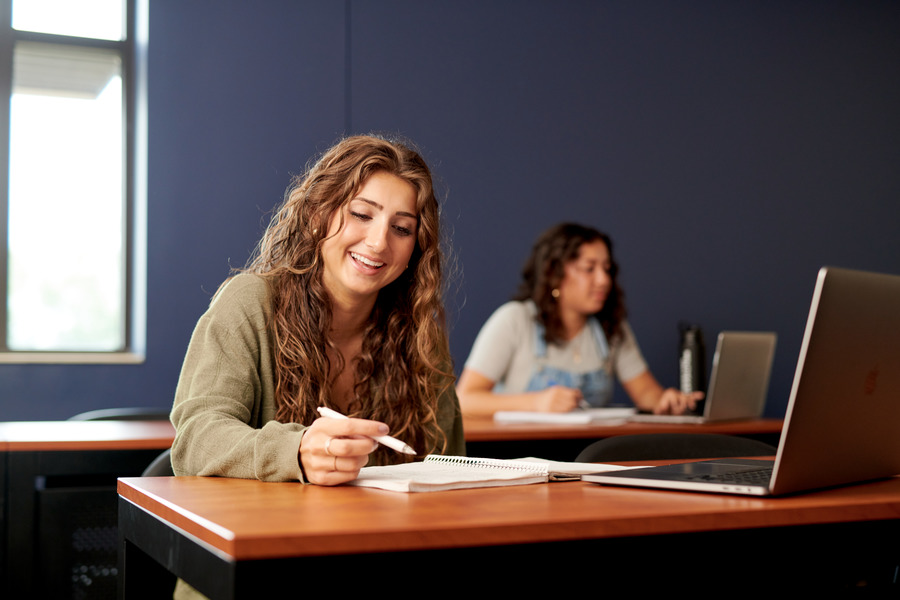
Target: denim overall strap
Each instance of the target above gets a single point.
(596, 386)
(600, 338)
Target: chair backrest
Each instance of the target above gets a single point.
(123, 414)
(160, 467)
(662, 446)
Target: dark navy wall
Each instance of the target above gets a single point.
(730, 149)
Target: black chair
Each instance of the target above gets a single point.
(160, 467)
(663, 446)
(162, 464)
(123, 414)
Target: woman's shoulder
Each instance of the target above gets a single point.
(510, 320)
(625, 336)
(248, 285)
(245, 295)
(516, 309)
(625, 328)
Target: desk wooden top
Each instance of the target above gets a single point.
(85, 435)
(248, 519)
(486, 430)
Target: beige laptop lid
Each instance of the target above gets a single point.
(740, 375)
(742, 365)
(843, 417)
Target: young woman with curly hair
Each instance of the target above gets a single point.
(563, 338)
(340, 306)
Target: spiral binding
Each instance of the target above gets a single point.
(488, 463)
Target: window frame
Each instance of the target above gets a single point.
(133, 53)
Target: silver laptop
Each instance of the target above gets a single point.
(739, 382)
(843, 417)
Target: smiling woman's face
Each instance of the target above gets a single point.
(376, 242)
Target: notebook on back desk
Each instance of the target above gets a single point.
(843, 416)
(738, 383)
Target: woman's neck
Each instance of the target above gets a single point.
(348, 324)
(349, 316)
(573, 322)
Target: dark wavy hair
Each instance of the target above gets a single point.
(405, 364)
(544, 271)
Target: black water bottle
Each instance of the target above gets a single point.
(692, 361)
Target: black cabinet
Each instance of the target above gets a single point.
(59, 521)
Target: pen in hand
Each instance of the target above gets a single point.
(582, 403)
(385, 440)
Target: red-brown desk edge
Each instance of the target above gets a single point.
(486, 430)
(85, 435)
(112, 435)
(248, 519)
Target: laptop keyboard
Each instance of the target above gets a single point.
(751, 476)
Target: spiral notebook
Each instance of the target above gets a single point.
(439, 472)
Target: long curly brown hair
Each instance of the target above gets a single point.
(545, 268)
(405, 363)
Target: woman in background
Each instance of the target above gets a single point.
(563, 338)
(340, 306)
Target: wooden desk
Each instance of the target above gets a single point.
(486, 438)
(58, 519)
(240, 538)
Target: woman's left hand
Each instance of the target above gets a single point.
(675, 402)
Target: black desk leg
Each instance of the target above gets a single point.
(152, 553)
(140, 575)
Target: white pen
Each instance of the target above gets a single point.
(386, 440)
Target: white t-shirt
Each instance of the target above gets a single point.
(509, 352)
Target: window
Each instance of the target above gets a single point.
(72, 189)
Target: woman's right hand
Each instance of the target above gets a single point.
(334, 450)
(557, 399)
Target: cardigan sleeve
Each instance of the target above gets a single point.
(224, 410)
